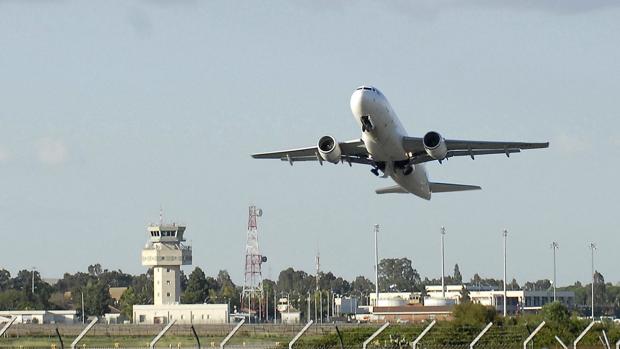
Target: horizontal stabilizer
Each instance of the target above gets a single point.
(447, 187)
(395, 189)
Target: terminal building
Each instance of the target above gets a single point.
(166, 252)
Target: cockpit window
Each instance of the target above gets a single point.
(365, 88)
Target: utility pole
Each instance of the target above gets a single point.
(593, 247)
(321, 305)
(376, 266)
(318, 281)
(443, 286)
(275, 306)
(505, 234)
(554, 246)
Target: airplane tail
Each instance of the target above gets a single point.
(434, 188)
(449, 187)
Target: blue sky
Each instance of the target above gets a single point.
(111, 110)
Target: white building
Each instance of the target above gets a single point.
(41, 316)
(346, 306)
(182, 313)
(516, 300)
(394, 298)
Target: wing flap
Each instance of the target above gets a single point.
(395, 189)
(450, 187)
(354, 148)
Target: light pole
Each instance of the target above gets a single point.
(505, 234)
(376, 265)
(592, 248)
(443, 287)
(33, 270)
(554, 246)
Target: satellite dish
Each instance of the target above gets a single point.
(259, 212)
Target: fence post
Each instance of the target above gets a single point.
(299, 334)
(8, 324)
(195, 336)
(414, 345)
(561, 343)
(232, 333)
(374, 335)
(582, 334)
(471, 345)
(533, 334)
(83, 333)
(62, 344)
(161, 334)
(606, 340)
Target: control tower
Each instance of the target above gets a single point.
(166, 253)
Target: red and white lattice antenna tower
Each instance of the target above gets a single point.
(253, 279)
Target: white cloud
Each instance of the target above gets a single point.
(51, 151)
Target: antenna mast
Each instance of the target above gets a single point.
(253, 279)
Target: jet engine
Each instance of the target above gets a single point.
(329, 149)
(435, 145)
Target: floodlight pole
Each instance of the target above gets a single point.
(505, 234)
(554, 246)
(443, 287)
(592, 248)
(376, 266)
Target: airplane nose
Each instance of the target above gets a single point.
(360, 100)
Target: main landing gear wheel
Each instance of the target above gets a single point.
(407, 170)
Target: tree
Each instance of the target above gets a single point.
(361, 286)
(457, 278)
(96, 298)
(95, 269)
(555, 313)
(514, 285)
(5, 279)
(397, 274)
(469, 313)
(129, 298)
(196, 291)
(465, 295)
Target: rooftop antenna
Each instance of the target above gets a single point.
(161, 215)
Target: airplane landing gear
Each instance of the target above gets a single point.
(408, 170)
(375, 171)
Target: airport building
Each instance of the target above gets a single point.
(517, 301)
(41, 316)
(394, 298)
(166, 252)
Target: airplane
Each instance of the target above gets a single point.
(386, 147)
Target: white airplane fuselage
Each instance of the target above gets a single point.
(383, 137)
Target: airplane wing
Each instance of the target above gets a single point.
(415, 146)
(353, 151)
